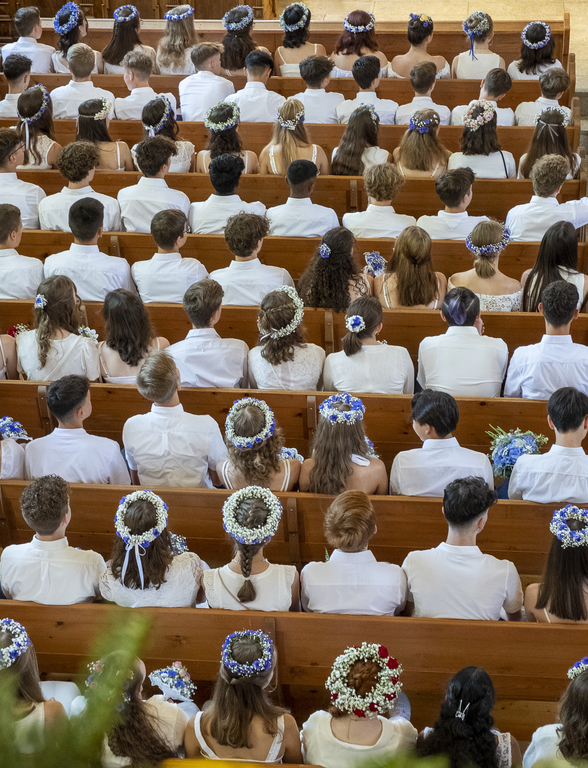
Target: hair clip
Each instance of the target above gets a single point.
(461, 714)
(355, 323)
(40, 301)
(324, 251)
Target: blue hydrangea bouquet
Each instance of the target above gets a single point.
(506, 447)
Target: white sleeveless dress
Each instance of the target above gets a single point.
(44, 144)
(272, 159)
(303, 372)
(117, 69)
(469, 68)
(272, 755)
(273, 588)
(292, 70)
(27, 728)
(2, 362)
(116, 379)
(510, 302)
(226, 480)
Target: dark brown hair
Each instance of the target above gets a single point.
(26, 19)
(237, 43)
(251, 513)
(154, 153)
(168, 226)
(354, 42)
(243, 231)
(292, 15)
(573, 716)
(125, 36)
(255, 464)
(360, 133)
(533, 59)
(223, 142)
(29, 104)
(67, 39)
(370, 309)
(550, 138)
(276, 311)
(314, 69)
(559, 248)
(128, 327)
(43, 504)
(153, 112)
(202, 300)
(61, 312)
(484, 139)
(564, 579)
(77, 159)
(9, 220)
(88, 128)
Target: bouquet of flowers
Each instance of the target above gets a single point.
(506, 447)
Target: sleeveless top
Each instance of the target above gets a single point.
(60, 64)
(44, 144)
(473, 69)
(119, 167)
(116, 379)
(272, 755)
(180, 163)
(207, 161)
(292, 70)
(227, 481)
(385, 295)
(273, 161)
(400, 168)
(336, 72)
(442, 73)
(273, 588)
(509, 302)
(34, 721)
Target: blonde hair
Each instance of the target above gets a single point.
(289, 141)
(81, 59)
(158, 378)
(350, 522)
(179, 35)
(421, 151)
(416, 282)
(383, 181)
(486, 233)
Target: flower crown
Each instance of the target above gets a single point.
(249, 442)
(561, 530)
(376, 263)
(232, 122)
(298, 24)
(96, 668)
(565, 121)
(133, 15)
(40, 301)
(370, 108)
(42, 109)
(541, 43)
(153, 130)
(263, 533)
(481, 25)
(147, 537)
(169, 16)
(105, 111)
(422, 126)
(176, 679)
(355, 323)
(290, 125)
(473, 123)
(71, 23)
(324, 251)
(12, 430)
(578, 668)
(235, 26)
(263, 664)
(329, 412)
(381, 699)
(296, 320)
(422, 17)
(362, 27)
(290, 454)
(484, 250)
(18, 646)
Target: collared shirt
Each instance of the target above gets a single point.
(245, 283)
(19, 275)
(77, 457)
(257, 104)
(50, 572)
(131, 107)
(200, 92)
(527, 110)
(405, 111)
(531, 221)
(504, 115)
(537, 370)
(168, 446)
(54, 210)
(166, 277)
(377, 221)
(300, 217)
(8, 105)
(354, 583)
(24, 195)
(39, 54)
(67, 98)
(449, 226)
(319, 105)
(207, 360)
(560, 476)
(426, 471)
(140, 202)
(210, 217)
(463, 363)
(496, 165)
(94, 273)
(385, 108)
(378, 368)
(452, 582)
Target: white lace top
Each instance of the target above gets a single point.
(44, 144)
(72, 355)
(180, 163)
(12, 461)
(503, 747)
(179, 590)
(273, 588)
(304, 372)
(184, 66)
(336, 72)
(510, 302)
(60, 64)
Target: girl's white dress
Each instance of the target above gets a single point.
(469, 68)
(72, 355)
(44, 144)
(273, 588)
(183, 67)
(117, 69)
(513, 70)
(180, 163)
(60, 64)
(304, 372)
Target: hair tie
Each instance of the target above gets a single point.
(40, 301)
(324, 251)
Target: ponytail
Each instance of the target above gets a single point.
(369, 309)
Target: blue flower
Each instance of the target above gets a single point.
(172, 673)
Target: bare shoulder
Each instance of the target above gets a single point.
(161, 343)
(54, 712)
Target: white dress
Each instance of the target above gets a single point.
(179, 590)
(44, 144)
(469, 68)
(575, 278)
(273, 754)
(60, 64)
(513, 70)
(378, 368)
(442, 73)
(12, 462)
(304, 372)
(292, 70)
(72, 355)
(273, 588)
(496, 165)
(183, 67)
(544, 745)
(510, 302)
(117, 69)
(370, 156)
(180, 163)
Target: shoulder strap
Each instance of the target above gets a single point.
(504, 164)
(117, 155)
(100, 346)
(286, 481)
(2, 353)
(225, 476)
(272, 160)
(247, 608)
(204, 748)
(314, 153)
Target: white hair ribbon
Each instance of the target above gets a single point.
(151, 131)
(26, 135)
(138, 556)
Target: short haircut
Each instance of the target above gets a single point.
(167, 227)
(86, 216)
(81, 59)
(26, 19)
(350, 522)
(301, 171)
(257, 62)
(423, 75)
(154, 153)
(435, 409)
(15, 66)
(225, 172)
(567, 407)
(158, 379)
(44, 503)
(139, 64)
(203, 51)
(453, 186)
(9, 143)
(202, 300)
(460, 306)
(365, 70)
(77, 159)
(548, 174)
(552, 82)
(244, 231)
(466, 500)
(9, 221)
(66, 394)
(383, 181)
(559, 300)
(314, 69)
(498, 82)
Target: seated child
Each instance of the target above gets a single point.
(493, 88)
(27, 22)
(19, 275)
(138, 68)
(256, 103)
(205, 89)
(553, 83)
(23, 194)
(382, 183)
(12, 434)
(423, 78)
(366, 73)
(454, 188)
(17, 71)
(67, 98)
(319, 106)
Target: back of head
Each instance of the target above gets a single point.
(300, 172)
(91, 123)
(80, 60)
(202, 52)
(258, 62)
(10, 220)
(225, 172)
(222, 121)
(288, 132)
(325, 282)
(479, 135)
(179, 36)
(202, 300)
(423, 75)
(16, 66)
(125, 34)
(61, 312)
(128, 328)
(314, 69)
(68, 22)
(382, 182)
(23, 670)
(253, 442)
(158, 378)
(369, 311)
(44, 503)
(559, 300)
(550, 138)
(498, 82)
(365, 70)
(435, 409)
(9, 143)
(280, 315)
(237, 42)
(553, 82)
(167, 227)
(478, 26)
(567, 408)
(453, 186)
(460, 307)
(139, 64)
(562, 589)
(361, 132)
(537, 47)
(26, 19)
(416, 282)
(467, 499)
(548, 174)
(358, 35)
(420, 149)
(350, 522)
(158, 119)
(559, 248)
(244, 231)
(420, 26)
(573, 707)
(35, 110)
(154, 153)
(295, 21)
(486, 241)
(252, 514)
(66, 395)
(86, 217)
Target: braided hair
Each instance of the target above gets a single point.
(251, 513)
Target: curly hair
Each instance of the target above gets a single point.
(44, 502)
(550, 138)
(237, 43)
(256, 464)
(29, 104)
(77, 159)
(223, 142)
(251, 513)
(243, 231)
(275, 312)
(360, 133)
(573, 732)
(61, 313)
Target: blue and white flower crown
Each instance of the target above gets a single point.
(376, 263)
(578, 668)
(133, 15)
(541, 43)
(296, 320)
(174, 681)
(71, 23)
(147, 537)
(298, 24)
(361, 27)
(562, 531)
(482, 25)
(330, 412)
(422, 17)
(40, 301)
(484, 250)
(290, 125)
(263, 664)
(565, 121)
(18, 646)
(249, 442)
(422, 126)
(355, 323)
(324, 251)
(232, 122)
(169, 16)
(235, 26)
(153, 130)
(290, 454)
(42, 109)
(12, 430)
(263, 533)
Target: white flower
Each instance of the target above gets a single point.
(259, 535)
(249, 442)
(296, 320)
(140, 539)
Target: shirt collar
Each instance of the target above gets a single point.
(544, 200)
(223, 199)
(547, 339)
(338, 556)
(548, 102)
(174, 409)
(422, 99)
(314, 90)
(439, 445)
(142, 89)
(144, 181)
(49, 546)
(256, 85)
(367, 96)
(465, 330)
(84, 84)
(245, 264)
(31, 40)
(9, 176)
(12, 96)
(455, 549)
(80, 192)
(378, 208)
(83, 250)
(167, 256)
(564, 451)
(453, 216)
(73, 432)
(4, 252)
(202, 333)
(294, 201)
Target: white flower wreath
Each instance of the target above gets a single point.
(105, 111)
(578, 668)
(249, 442)
(290, 125)
(232, 122)
(561, 530)
(18, 646)
(259, 535)
(147, 537)
(301, 21)
(296, 320)
(473, 123)
(330, 412)
(566, 119)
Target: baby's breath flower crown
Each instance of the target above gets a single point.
(249, 442)
(235, 26)
(296, 320)
(298, 24)
(382, 698)
(483, 250)
(147, 537)
(103, 113)
(290, 125)
(488, 112)
(565, 121)
(263, 664)
(578, 668)
(330, 412)
(132, 15)
(174, 681)
(96, 668)
(541, 43)
(562, 531)
(232, 122)
(71, 23)
(18, 646)
(361, 27)
(169, 16)
(368, 108)
(245, 535)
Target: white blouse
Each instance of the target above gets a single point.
(12, 461)
(304, 372)
(496, 165)
(377, 368)
(180, 163)
(506, 302)
(44, 144)
(513, 70)
(468, 68)
(72, 355)
(183, 67)
(273, 588)
(571, 174)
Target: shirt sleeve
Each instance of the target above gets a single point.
(421, 369)
(513, 386)
(217, 450)
(91, 361)
(328, 384)
(395, 479)
(334, 220)
(119, 473)
(515, 491)
(402, 592)
(287, 278)
(408, 388)
(579, 209)
(406, 569)
(513, 601)
(116, 217)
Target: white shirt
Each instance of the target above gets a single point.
(354, 583)
(12, 461)
(168, 446)
(67, 98)
(54, 210)
(257, 104)
(450, 582)
(378, 368)
(504, 115)
(486, 166)
(537, 370)
(50, 572)
(200, 92)
(71, 355)
(527, 110)
(24, 195)
(559, 476)
(77, 457)
(544, 746)
(131, 107)
(39, 53)
(140, 202)
(247, 282)
(462, 363)
(8, 106)
(530, 221)
(405, 111)
(384, 108)
(319, 105)
(19, 275)
(166, 277)
(210, 217)
(427, 470)
(377, 221)
(207, 360)
(449, 226)
(94, 273)
(303, 372)
(513, 70)
(300, 217)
